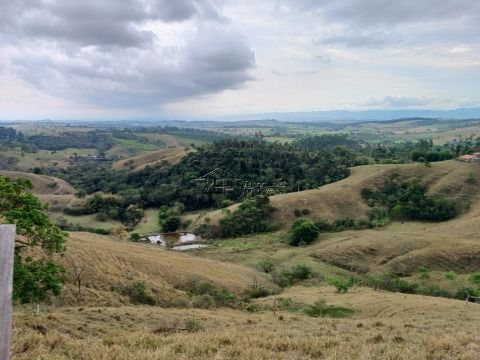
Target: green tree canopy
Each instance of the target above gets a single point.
(35, 276)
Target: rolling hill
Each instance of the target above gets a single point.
(343, 199)
(56, 192)
(399, 247)
(109, 261)
(168, 156)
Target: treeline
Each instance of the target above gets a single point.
(10, 134)
(80, 140)
(326, 142)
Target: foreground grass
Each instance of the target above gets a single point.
(153, 333)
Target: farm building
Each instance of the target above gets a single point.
(475, 157)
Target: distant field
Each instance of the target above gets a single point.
(45, 158)
(170, 156)
(89, 221)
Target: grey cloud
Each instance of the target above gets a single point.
(98, 51)
(386, 12)
(378, 23)
(97, 23)
(360, 39)
(215, 59)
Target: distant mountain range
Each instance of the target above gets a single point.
(343, 115)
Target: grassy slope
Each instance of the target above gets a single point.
(342, 199)
(399, 247)
(109, 261)
(170, 155)
(51, 190)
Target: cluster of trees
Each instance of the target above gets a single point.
(80, 140)
(252, 160)
(425, 151)
(326, 142)
(109, 207)
(400, 199)
(466, 145)
(10, 134)
(252, 216)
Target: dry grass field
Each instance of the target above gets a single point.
(383, 326)
(109, 261)
(170, 156)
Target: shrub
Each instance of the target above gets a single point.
(285, 277)
(204, 301)
(300, 272)
(474, 277)
(341, 284)
(450, 275)
(134, 236)
(192, 325)
(138, 293)
(256, 291)
(303, 231)
(424, 272)
(197, 287)
(464, 292)
(171, 224)
(266, 266)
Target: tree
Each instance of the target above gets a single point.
(172, 223)
(303, 231)
(34, 277)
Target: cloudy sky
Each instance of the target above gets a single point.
(191, 59)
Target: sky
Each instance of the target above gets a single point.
(208, 59)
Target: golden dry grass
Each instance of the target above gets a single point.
(56, 192)
(43, 185)
(384, 326)
(171, 156)
(109, 261)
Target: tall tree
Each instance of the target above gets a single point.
(36, 274)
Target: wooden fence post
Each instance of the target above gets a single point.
(7, 244)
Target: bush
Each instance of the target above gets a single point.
(341, 285)
(303, 231)
(204, 301)
(171, 224)
(197, 287)
(266, 266)
(301, 272)
(192, 325)
(474, 277)
(138, 293)
(464, 292)
(134, 236)
(285, 277)
(450, 275)
(256, 291)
